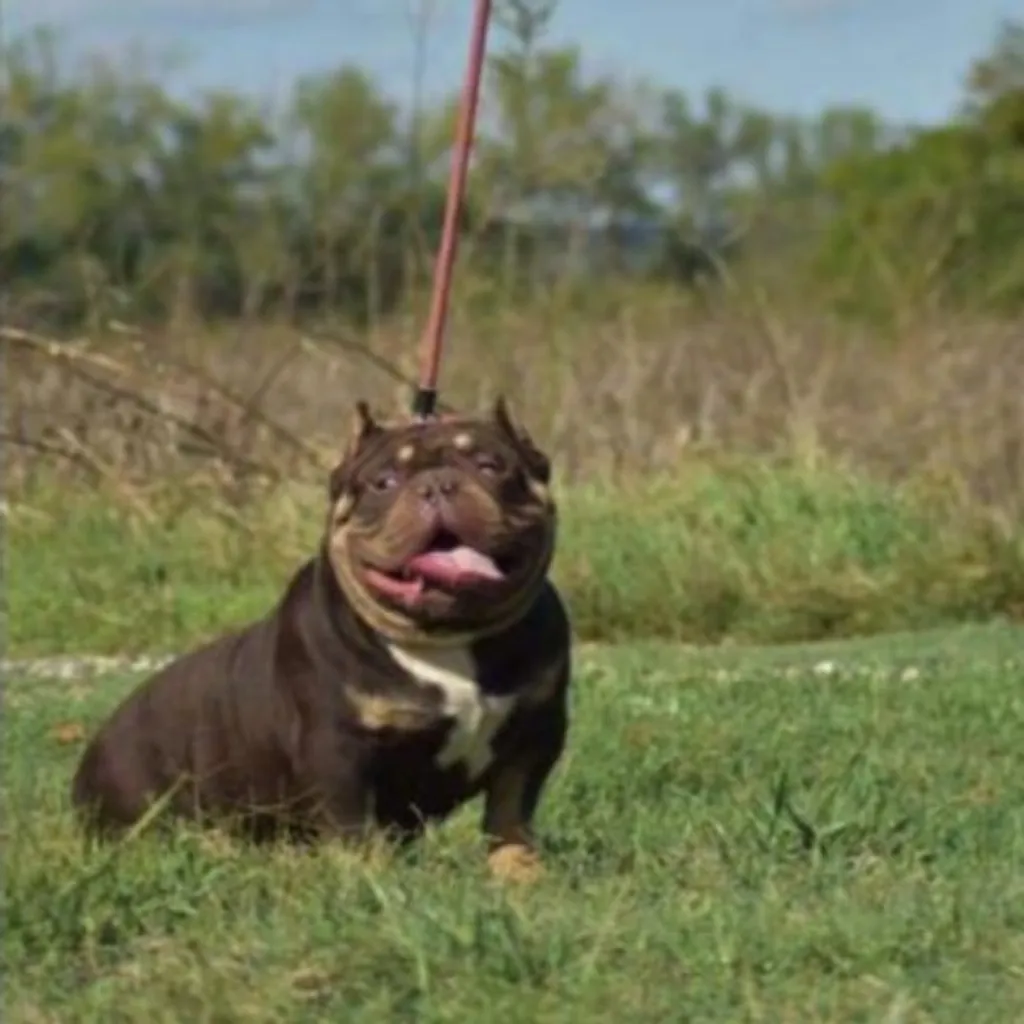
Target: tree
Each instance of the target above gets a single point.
(1000, 71)
(211, 189)
(117, 197)
(939, 216)
(349, 131)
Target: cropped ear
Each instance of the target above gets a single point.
(538, 465)
(364, 426)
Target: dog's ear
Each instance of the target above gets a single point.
(538, 465)
(364, 427)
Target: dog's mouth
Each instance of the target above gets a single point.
(446, 564)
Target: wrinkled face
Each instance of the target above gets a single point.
(441, 527)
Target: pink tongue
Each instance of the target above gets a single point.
(454, 568)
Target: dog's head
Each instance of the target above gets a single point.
(443, 528)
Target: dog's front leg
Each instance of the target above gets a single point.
(513, 792)
(346, 818)
(337, 777)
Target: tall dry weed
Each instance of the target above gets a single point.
(634, 390)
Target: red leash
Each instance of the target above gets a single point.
(432, 341)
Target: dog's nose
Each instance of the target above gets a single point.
(438, 486)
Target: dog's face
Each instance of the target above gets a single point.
(443, 527)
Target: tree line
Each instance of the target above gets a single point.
(118, 199)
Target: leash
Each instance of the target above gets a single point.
(432, 342)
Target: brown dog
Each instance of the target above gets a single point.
(421, 658)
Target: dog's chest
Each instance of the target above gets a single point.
(476, 716)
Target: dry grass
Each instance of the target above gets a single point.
(629, 391)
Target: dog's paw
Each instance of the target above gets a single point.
(515, 862)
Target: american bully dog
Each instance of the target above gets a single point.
(419, 659)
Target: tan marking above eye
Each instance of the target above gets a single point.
(539, 490)
(406, 453)
(463, 442)
(343, 508)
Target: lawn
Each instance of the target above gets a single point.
(798, 833)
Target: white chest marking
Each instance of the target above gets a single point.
(476, 717)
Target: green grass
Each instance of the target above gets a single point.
(808, 834)
(739, 549)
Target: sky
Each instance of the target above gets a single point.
(904, 58)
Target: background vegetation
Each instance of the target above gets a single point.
(780, 362)
(121, 199)
(780, 365)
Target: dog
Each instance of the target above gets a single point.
(421, 658)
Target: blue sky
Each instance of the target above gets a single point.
(906, 58)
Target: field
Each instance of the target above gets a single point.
(790, 473)
(792, 792)
(797, 576)
(828, 832)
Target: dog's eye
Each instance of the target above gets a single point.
(385, 481)
(488, 463)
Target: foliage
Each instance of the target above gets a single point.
(121, 200)
(937, 218)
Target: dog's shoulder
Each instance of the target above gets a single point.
(532, 657)
(237, 671)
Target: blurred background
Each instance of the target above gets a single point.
(269, 158)
(772, 232)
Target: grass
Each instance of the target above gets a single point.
(817, 833)
(830, 832)
(628, 376)
(738, 549)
